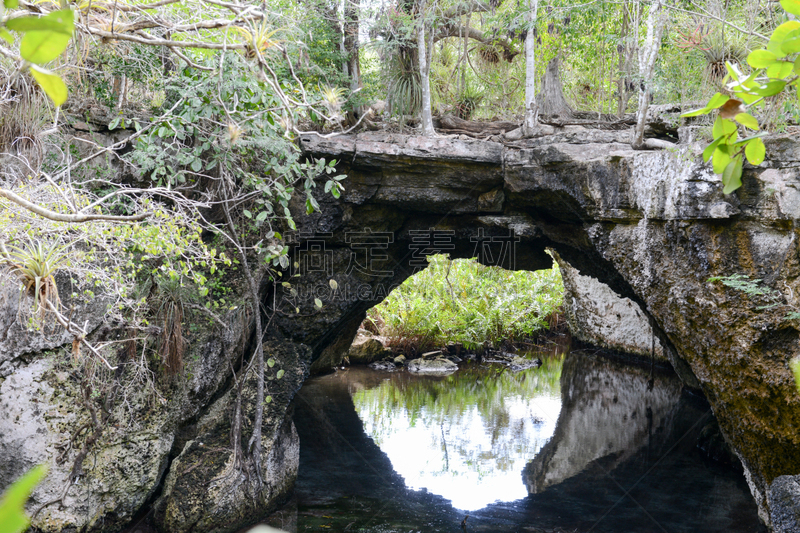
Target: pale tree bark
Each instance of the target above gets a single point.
(531, 109)
(426, 118)
(351, 28)
(627, 49)
(656, 20)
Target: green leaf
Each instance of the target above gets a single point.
(51, 84)
(721, 159)
(696, 112)
(747, 120)
(318, 302)
(722, 127)
(7, 37)
(797, 66)
(197, 164)
(56, 22)
(791, 46)
(261, 217)
(717, 101)
(761, 58)
(11, 4)
(781, 69)
(794, 364)
(791, 6)
(247, 213)
(709, 151)
(779, 36)
(280, 373)
(755, 152)
(114, 123)
(12, 503)
(270, 362)
(732, 176)
(771, 88)
(43, 46)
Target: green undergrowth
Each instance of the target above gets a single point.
(461, 301)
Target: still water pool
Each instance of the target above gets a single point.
(581, 444)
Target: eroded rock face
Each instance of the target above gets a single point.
(653, 227)
(598, 315)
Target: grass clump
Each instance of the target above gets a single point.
(461, 301)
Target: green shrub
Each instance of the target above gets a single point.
(464, 302)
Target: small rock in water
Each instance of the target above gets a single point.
(400, 360)
(387, 366)
(521, 363)
(432, 366)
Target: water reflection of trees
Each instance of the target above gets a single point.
(480, 419)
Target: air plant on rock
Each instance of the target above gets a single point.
(35, 264)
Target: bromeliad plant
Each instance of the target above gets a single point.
(35, 264)
(777, 67)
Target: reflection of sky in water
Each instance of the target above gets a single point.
(471, 453)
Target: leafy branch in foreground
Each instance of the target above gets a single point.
(777, 67)
(12, 502)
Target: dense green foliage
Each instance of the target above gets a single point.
(465, 302)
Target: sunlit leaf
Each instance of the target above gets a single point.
(761, 58)
(43, 46)
(717, 100)
(723, 126)
(747, 120)
(781, 69)
(7, 37)
(755, 152)
(721, 159)
(779, 36)
(771, 88)
(790, 46)
(318, 302)
(791, 6)
(51, 84)
(11, 4)
(57, 22)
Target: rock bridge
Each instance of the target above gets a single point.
(653, 226)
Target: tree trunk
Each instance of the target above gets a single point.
(426, 118)
(351, 25)
(656, 19)
(626, 49)
(531, 109)
(552, 102)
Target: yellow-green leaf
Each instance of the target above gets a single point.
(43, 46)
(794, 364)
(12, 502)
(747, 120)
(791, 46)
(717, 100)
(11, 4)
(7, 37)
(791, 6)
(709, 151)
(696, 112)
(771, 88)
(723, 127)
(51, 84)
(720, 159)
(58, 21)
(780, 34)
(755, 152)
(732, 176)
(761, 58)
(781, 69)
